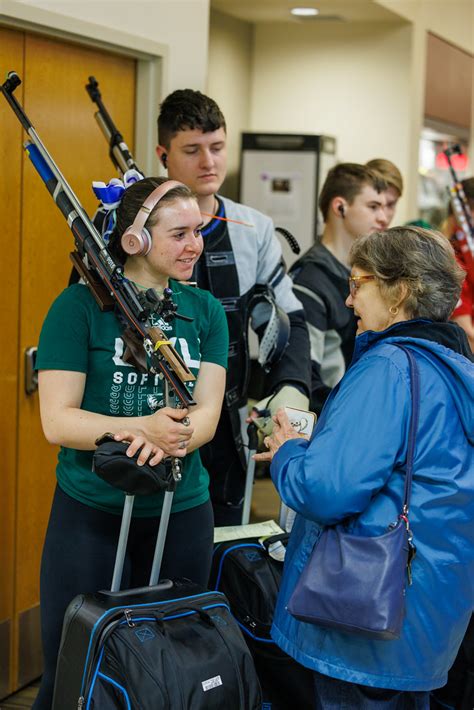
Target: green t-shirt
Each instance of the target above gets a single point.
(77, 336)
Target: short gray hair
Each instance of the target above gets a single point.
(421, 260)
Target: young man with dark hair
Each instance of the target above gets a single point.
(352, 204)
(241, 256)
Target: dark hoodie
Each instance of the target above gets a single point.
(445, 347)
(321, 284)
(449, 334)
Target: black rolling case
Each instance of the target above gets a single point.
(168, 646)
(250, 578)
(247, 573)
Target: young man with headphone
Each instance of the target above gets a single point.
(241, 254)
(352, 203)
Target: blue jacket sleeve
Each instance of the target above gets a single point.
(360, 438)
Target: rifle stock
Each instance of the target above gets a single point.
(102, 297)
(100, 271)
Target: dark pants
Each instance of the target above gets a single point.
(79, 555)
(459, 690)
(334, 694)
(226, 472)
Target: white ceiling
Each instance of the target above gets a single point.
(279, 10)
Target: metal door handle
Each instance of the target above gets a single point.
(31, 376)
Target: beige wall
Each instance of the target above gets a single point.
(229, 83)
(361, 82)
(343, 80)
(168, 37)
(181, 25)
(453, 20)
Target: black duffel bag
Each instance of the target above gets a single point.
(250, 578)
(167, 647)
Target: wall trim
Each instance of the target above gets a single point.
(152, 63)
(450, 130)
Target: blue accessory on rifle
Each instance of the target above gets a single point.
(356, 584)
(110, 196)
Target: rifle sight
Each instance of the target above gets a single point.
(11, 83)
(454, 149)
(92, 89)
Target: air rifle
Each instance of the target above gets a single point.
(118, 149)
(102, 273)
(461, 207)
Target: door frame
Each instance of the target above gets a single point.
(152, 64)
(152, 70)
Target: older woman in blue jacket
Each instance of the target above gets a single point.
(404, 285)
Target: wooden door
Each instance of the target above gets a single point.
(54, 75)
(11, 54)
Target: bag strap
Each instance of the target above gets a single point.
(415, 396)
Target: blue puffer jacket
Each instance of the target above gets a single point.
(354, 464)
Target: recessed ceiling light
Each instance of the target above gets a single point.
(304, 11)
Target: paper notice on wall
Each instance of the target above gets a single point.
(236, 532)
(281, 194)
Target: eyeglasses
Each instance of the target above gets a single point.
(355, 281)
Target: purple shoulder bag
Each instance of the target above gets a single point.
(357, 584)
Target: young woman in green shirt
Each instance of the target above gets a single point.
(86, 389)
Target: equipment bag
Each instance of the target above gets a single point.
(250, 578)
(169, 646)
(157, 648)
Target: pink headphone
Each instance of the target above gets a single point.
(136, 240)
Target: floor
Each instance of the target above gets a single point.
(21, 700)
(265, 506)
(265, 501)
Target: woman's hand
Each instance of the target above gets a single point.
(137, 442)
(170, 430)
(282, 431)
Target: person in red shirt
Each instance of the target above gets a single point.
(463, 314)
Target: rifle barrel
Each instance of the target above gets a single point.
(119, 152)
(96, 256)
(461, 206)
